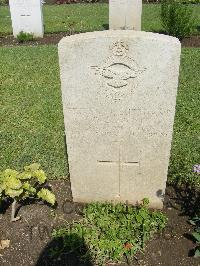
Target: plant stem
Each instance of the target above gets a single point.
(13, 219)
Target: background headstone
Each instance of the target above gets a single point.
(27, 16)
(119, 94)
(125, 14)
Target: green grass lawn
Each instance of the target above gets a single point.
(32, 127)
(87, 17)
(186, 141)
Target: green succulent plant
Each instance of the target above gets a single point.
(27, 184)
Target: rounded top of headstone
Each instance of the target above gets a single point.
(130, 34)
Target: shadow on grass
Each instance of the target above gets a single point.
(54, 254)
(160, 32)
(188, 198)
(198, 28)
(106, 26)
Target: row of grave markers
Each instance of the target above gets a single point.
(27, 16)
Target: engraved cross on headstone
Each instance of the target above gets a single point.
(125, 14)
(121, 163)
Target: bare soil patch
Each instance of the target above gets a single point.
(30, 238)
(54, 38)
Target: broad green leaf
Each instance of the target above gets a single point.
(192, 222)
(29, 188)
(197, 253)
(24, 175)
(13, 193)
(41, 176)
(32, 167)
(12, 182)
(196, 235)
(47, 195)
(10, 172)
(1, 176)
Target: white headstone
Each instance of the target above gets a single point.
(119, 94)
(125, 14)
(27, 16)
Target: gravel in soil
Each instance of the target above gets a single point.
(54, 38)
(30, 238)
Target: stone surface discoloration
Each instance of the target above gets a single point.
(27, 16)
(125, 14)
(119, 94)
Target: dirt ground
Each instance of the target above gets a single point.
(30, 238)
(9, 40)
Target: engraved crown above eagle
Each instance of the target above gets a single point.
(118, 68)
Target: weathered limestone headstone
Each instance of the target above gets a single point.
(125, 14)
(119, 94)
(27, 16)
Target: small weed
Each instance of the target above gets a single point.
(25, 37)
(107, 232)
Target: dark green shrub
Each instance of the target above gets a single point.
(190, 1)
(3, 2)
(24, 37)
(177, 18)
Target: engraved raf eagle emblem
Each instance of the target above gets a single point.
(118, 68)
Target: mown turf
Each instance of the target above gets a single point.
(88, 17)
(186, 141)
(32, 127)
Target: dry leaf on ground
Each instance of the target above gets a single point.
(4, 244)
